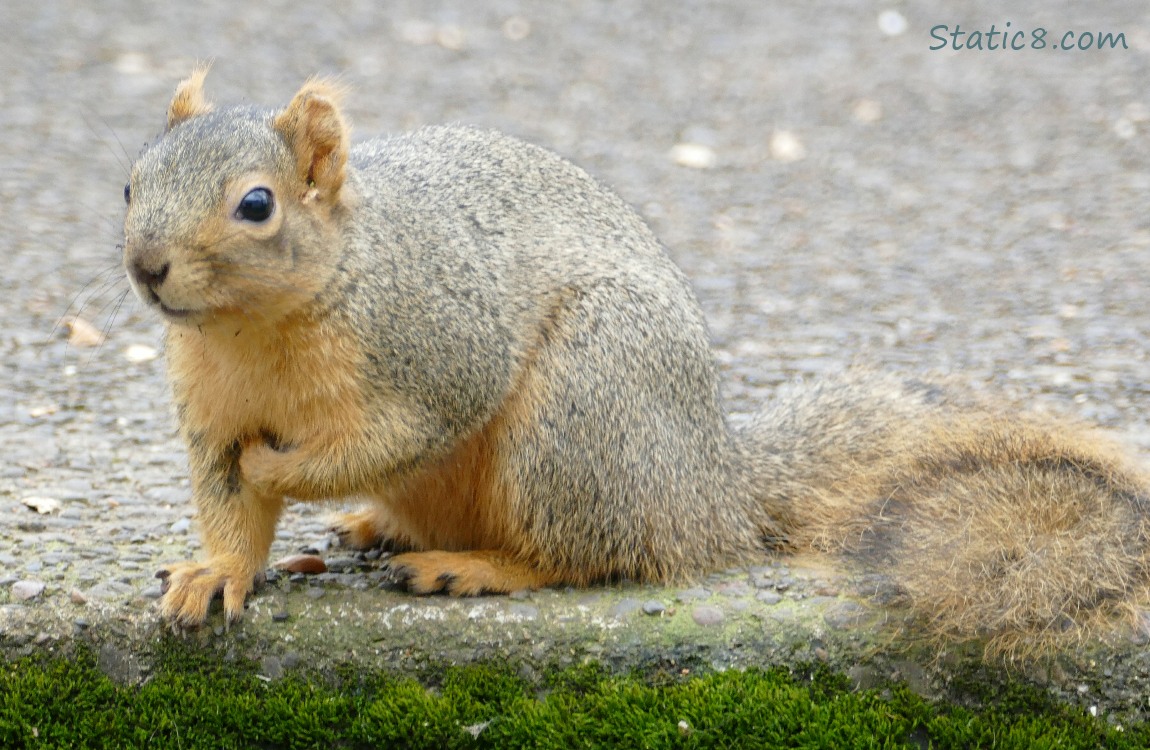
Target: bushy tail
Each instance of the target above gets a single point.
(1022, 531)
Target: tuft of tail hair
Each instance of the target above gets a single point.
(1024, 532)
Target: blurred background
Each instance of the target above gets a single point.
(835, 190)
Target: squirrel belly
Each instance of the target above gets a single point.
(498, 355)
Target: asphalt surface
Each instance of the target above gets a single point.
(840, 193)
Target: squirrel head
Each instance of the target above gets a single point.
(235, 211)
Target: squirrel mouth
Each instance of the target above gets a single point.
(173, 314)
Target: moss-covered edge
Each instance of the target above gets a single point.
(196, 698)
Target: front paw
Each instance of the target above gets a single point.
(189, 587)
(264, 466)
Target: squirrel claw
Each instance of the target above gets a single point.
(189, 589)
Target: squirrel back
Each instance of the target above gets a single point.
(496, 351)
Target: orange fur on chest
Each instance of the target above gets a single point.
(299, 383)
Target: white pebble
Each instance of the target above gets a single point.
(891, 22)
(786, 147)
(132, 63)
(42, 505)
(25, 590)
(83, 333)
(867, 111)
(516, 28)
(451, 37)
(693, 155)
(1137, 112)
(1124, 129)
(140, 353)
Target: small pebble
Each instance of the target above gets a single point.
(137, 353)
(692, 594)
(786, 147)
(653, 607)
(625, 607)
(82, 333)
(152, 592)
(867, 111)
(42, 505)
(693, 155)
(733, 588)
(516, 28)
(280, 616)
(768, 597)
(706, 615)
(301, 564)
(25, 590)
(451, 37)
(1124, 129)
(892, 23)
(181, 526)
(338, 565)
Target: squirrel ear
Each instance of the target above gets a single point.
(315, 130)
(189, 99)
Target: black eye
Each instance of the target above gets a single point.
(127, 192)
(257, 205)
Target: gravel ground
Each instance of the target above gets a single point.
(835, 190)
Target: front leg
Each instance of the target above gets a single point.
(237, 523)
(332, 465)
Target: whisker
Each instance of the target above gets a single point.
(113, 224)
(123, 166)
(107, 329)
(127, 169)
(105, 283)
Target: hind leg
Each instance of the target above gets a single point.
(468, 573)
(370, 526)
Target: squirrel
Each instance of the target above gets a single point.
(495, 352)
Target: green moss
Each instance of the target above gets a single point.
(197, 700)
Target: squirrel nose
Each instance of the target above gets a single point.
(149, 278)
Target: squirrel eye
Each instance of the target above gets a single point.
(257, 205)
(127, 192)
